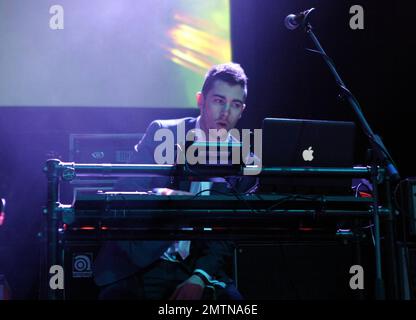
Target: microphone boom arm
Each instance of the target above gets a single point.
(378, 146)
(381, 155)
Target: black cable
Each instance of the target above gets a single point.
(236, 195)
(235, 191)
(294, 197)
(398, 186)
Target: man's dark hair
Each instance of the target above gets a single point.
(232, 73)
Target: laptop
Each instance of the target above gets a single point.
(307, 143)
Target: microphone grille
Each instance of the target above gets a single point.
(290, 22)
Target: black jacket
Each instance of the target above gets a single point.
(119, 259)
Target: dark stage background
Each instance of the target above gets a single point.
(284, 81)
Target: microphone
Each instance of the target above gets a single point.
(293, 21)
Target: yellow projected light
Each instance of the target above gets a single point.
(199, 43)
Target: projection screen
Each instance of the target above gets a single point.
(109, 53)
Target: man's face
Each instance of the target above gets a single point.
(222, 107)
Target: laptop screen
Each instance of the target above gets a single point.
(307, 143)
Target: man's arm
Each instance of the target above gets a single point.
(214, 254)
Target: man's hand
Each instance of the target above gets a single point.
(171, 192)
(190, 289)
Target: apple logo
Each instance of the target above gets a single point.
(307, 154)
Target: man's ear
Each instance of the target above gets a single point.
(244, 107)
(200, 100)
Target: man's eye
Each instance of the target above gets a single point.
(237, 105)
(218, 100)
